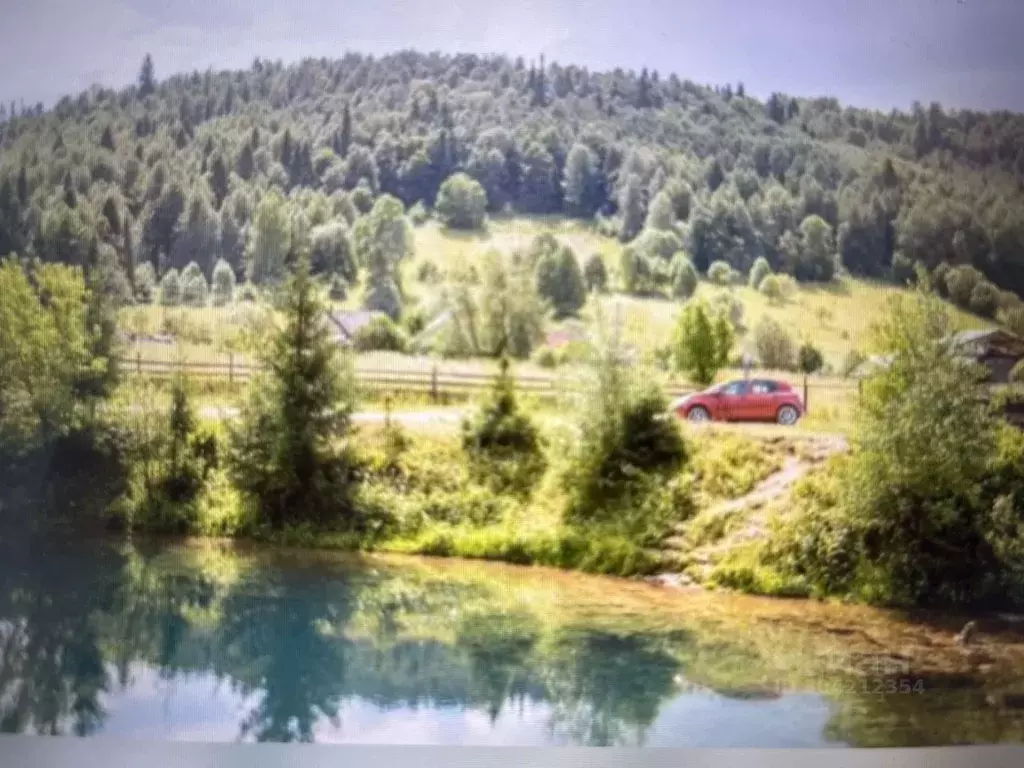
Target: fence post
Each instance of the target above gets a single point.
(138, 362)
(433, 383)
(807, 406)
(231, 368)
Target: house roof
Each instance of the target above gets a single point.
(993, 339)
(349, 323)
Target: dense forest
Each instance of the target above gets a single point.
(250, 166)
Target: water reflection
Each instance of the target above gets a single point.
(181, 643)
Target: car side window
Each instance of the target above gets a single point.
(736, 388)
(762, 388)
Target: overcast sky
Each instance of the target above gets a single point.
(879, 53)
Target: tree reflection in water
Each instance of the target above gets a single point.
(301, 640)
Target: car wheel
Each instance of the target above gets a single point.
(698, 415)
(787, 415)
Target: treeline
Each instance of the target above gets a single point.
(177, 171)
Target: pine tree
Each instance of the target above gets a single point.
(346, 131)
(245, 164)
(147, 79)
(218, 180)
(107, 139)
(285, 454)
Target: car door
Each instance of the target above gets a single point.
(733, 401)
(761, 400)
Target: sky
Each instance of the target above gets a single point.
(870, 53)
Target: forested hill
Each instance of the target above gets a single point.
(170, 171)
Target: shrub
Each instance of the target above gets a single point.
(684, 276)
(382, 334)
(595, 274)
(635, 271)
(701, 342)
(545, 357)
(428, 272)
(759, 271)
(338, 288)
(248, 293)
(559, 280)
(461, 202)
(145, 282)
(787, 287)
(419, 214)
(984, 299)
(809, 358)
(502, 444)
(774, 345)
(223, 284)
(195, 292)
(720, 273)
(170, 288)
(771, 287)
(623, 459)
(960, 284)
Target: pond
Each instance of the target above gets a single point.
(223, 643)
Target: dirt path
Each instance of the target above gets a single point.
(755, 504)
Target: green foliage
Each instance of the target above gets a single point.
(809, 358)
(269, 240)
(595, 274)
(171, 459)
(623, 459)
(771, 287)
(984, 299)
(720, 273)
(759, 272)
(223, 284)
(380, 333)
(170, 288)
(502, 444)
(47, 352)
(701, 342)
(775, 347)
(545, 357)
(960, 283)
(195, 292)
(684, 276)
(381, 240)
(331, 251)
(145, 283)
(288, 454)
(926, 509)
(419, 214)
(560, 281)
(461, 202)
(510, 311)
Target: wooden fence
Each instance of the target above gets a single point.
(440, 384)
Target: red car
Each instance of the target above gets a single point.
(745, 400)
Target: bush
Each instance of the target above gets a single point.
(758, 272)
(145, 282)
(195, 292)
(809, 358)
(338, 288)
(170, 288)
(620, 474)
(787, 287)
(223, 284)
(248, 293)
(984, 299)
(701, 342)
(414, 321)
(380, 334)
(775, 348)
(545, 357)
(595, 274)
(771, 288)
(926, 510)
(461, 202)
(428, 272)
(419, 214)
(502, 444)
(960, 284)
(684, 276)
(720, 273)
(559, 280)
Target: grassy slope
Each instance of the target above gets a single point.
(835, 318)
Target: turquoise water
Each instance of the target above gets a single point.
(213, 644)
